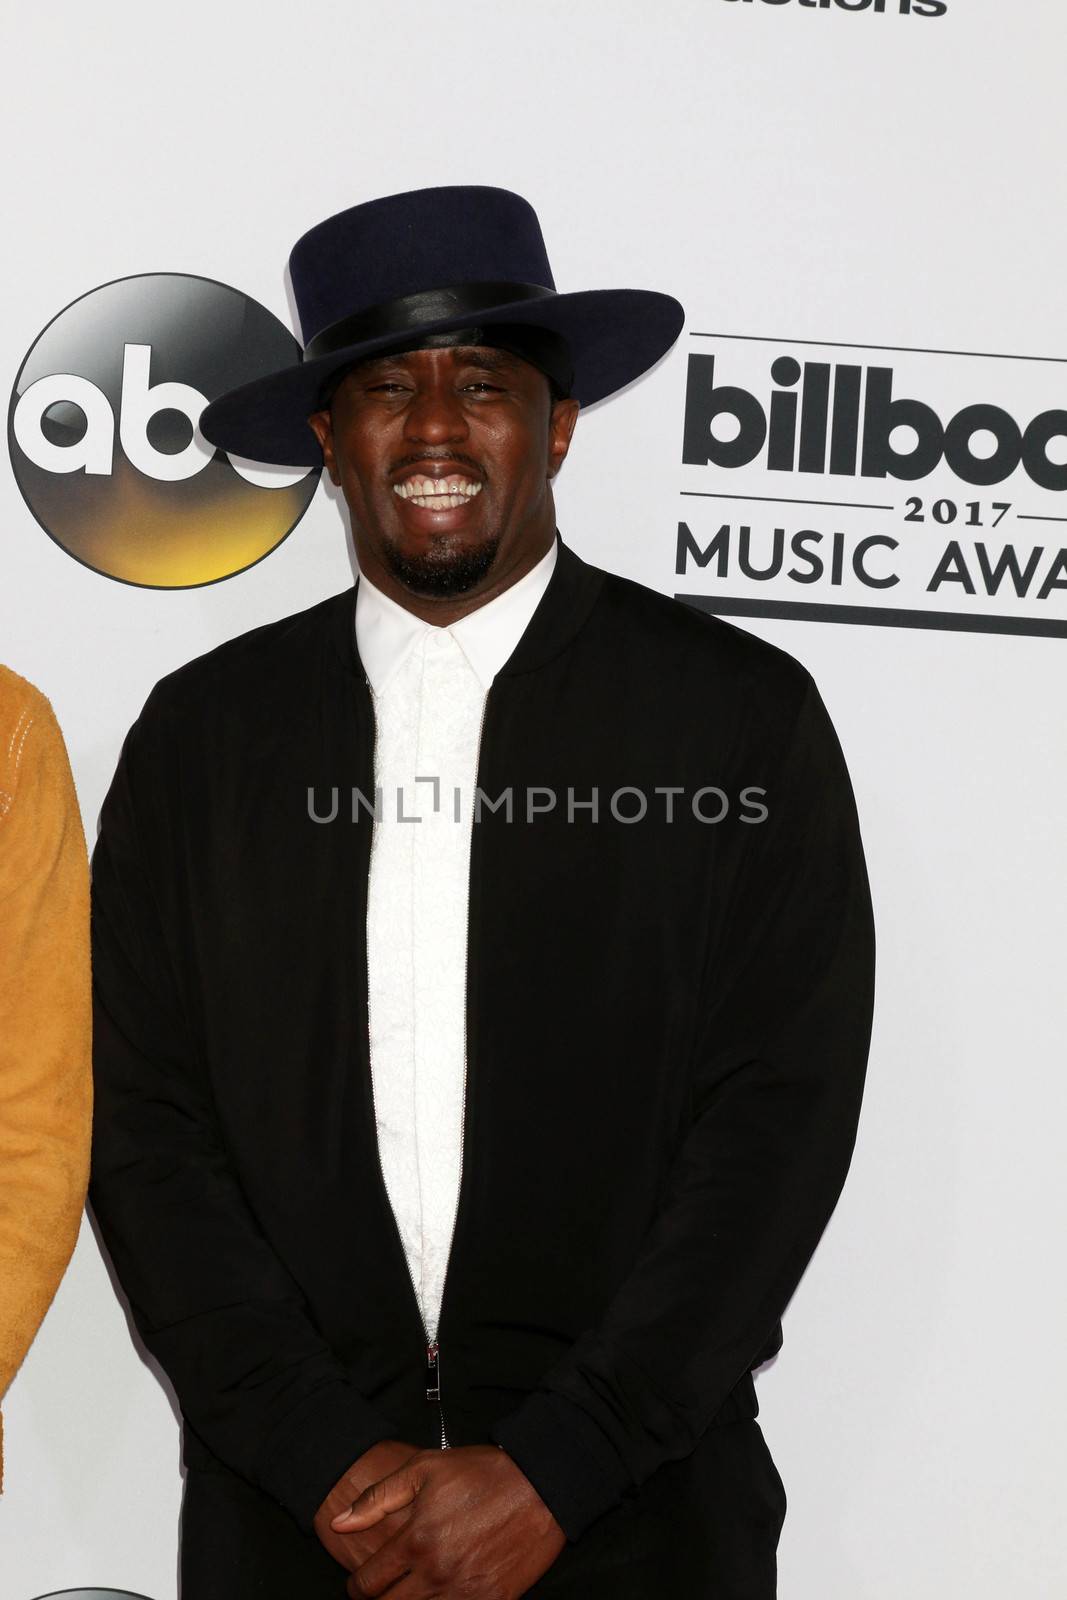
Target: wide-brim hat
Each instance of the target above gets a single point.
(386, 275)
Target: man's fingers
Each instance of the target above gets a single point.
(388, 1572)
(388, 1494)
(409, 1588)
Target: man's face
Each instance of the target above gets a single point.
(445, 458)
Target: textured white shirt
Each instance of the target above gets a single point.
(429, 686)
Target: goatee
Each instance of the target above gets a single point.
(441, 569)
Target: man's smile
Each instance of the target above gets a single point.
(445, 493)
(414, 438)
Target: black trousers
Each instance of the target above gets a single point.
(719, 1544)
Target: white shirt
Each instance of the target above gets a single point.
(429, 686)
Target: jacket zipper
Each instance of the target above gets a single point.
(433, 1348)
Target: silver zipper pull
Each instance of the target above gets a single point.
(433, 1373)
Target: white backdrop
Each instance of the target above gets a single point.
(786, 170)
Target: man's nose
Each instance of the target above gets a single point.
(435, 415)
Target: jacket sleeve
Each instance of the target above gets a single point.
(45, 1073)
(210, 1297)
(777, 1082)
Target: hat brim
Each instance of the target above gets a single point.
(614, 336)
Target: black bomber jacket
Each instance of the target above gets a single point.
(668, 1020)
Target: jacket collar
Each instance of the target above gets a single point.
(563, 608)
(387, 632)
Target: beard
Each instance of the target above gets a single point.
(443, 568)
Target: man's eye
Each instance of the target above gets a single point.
(376, 388)
(481, 384)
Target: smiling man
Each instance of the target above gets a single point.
(484, 976)
(438, 530)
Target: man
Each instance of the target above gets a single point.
(484, 973)
(45, 1064)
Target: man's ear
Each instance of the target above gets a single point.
(562, 418)
(321, 424)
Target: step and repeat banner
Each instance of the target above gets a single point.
(857, 449)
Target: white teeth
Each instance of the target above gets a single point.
(437, 494)
(439, 502)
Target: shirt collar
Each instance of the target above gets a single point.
(386, 631)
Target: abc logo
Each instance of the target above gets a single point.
(91, 1594)
(104, 437)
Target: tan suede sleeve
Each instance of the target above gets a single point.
(45, 1011)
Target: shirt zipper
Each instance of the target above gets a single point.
(433, 1348)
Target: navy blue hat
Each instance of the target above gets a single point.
(392, 274)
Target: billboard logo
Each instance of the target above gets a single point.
(103, 431)
(982, 443)
(877, 484)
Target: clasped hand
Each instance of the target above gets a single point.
(465, 1522)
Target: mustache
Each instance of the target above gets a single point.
(426, 457)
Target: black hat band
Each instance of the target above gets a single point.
(409, 314)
